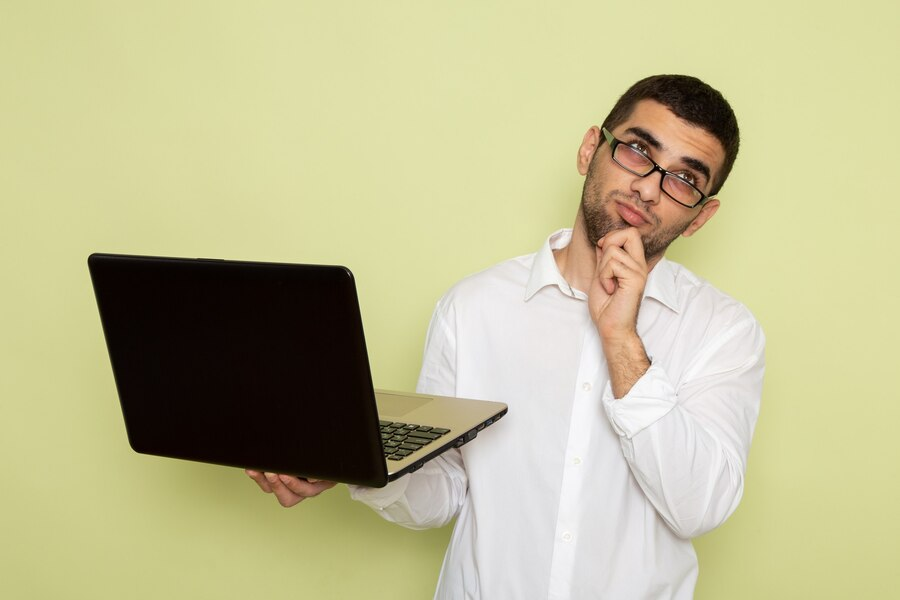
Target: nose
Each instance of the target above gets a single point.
(648, 187)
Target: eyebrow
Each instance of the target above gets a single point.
(646, 136)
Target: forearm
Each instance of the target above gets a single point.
(687, 448)
(430, 497)
(694, 480)
(626, 361)
(685, 472)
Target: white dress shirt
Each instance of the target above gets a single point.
(575, 494)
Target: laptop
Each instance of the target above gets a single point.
(263, 366)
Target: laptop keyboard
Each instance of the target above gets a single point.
(402, 439)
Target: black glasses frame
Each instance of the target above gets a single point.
(614, 143)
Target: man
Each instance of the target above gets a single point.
(633, 386)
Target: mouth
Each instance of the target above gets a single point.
(631, 215)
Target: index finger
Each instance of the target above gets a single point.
(629, 239)
(260, 480)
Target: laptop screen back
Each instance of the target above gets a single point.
(252, 365)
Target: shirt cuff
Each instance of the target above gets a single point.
(380, 498)
(649, 400)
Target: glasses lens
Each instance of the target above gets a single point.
(632, 159)
(681, 190)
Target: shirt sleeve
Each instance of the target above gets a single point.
(687, 446)
(433, 495)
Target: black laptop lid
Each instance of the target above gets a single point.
(252, 365)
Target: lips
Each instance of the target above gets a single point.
(630, 215)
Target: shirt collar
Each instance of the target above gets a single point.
(661, 285)
(545, 272)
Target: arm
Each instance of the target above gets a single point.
(686, 447)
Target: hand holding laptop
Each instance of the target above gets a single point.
(289, 490)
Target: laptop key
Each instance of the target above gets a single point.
(420, 441)
(402, 439)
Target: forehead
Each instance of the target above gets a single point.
(678, 139)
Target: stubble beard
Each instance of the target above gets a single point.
(598, 222)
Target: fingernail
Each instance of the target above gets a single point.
(272, 477)
(312, 480)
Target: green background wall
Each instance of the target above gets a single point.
(417, 142)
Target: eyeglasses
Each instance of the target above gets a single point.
(634, 161)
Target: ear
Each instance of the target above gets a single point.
(588, 147)
(705, 214)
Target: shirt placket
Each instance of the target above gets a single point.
(586, 392)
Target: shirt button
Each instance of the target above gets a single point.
(586, 386)
(576, 460)
(567, 537)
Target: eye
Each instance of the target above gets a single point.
(640, 147)
(685, 176)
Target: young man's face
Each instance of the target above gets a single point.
(613, 198)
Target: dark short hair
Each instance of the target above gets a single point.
(691, 100)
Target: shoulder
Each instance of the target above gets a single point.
(699, 300)
(499, 282)
(708, 331)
